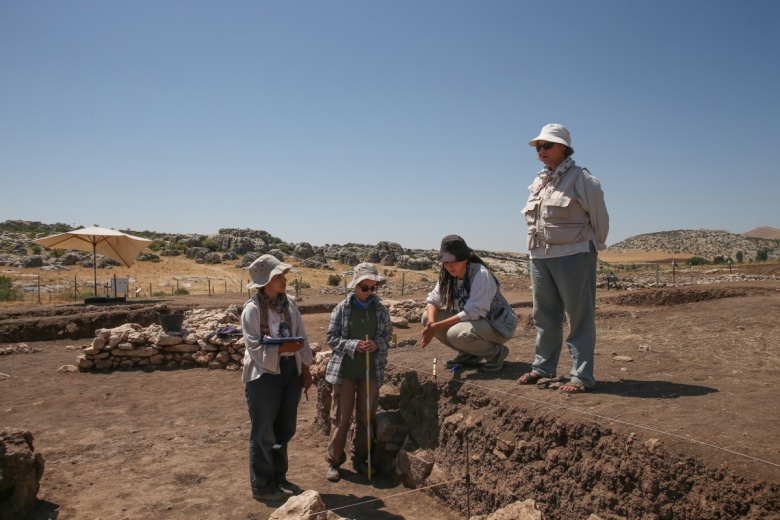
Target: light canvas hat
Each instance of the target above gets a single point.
(263, 269)
(553, 133)
(366, 271)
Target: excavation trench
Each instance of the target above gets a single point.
(512, 452)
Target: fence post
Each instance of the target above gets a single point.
(39, 289)
(75, 289)
(403, 282)
(209, 280)
(150, 290)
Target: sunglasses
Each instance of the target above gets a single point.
(366, 288)
(546, 146)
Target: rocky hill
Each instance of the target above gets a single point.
(228, 244)
(701, 242)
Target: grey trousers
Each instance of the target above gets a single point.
(477, 337)
(565, 287)
(272, 400)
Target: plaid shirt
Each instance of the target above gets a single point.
(338, 330)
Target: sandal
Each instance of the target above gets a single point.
(574, 387)
(529, 379)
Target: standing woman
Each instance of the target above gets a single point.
(274, 375)
(466, 310)
(359, 327)
(567, 226)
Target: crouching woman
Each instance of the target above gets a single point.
(466, 310)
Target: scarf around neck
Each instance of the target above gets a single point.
(363, 305)
(279, 306)
(553, 177)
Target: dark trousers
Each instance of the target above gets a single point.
(273, 411)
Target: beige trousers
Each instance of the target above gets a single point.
(350, 396)
(477, 337)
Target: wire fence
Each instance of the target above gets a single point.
(52, 289)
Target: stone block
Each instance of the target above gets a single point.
(390, 427)
(21, 470)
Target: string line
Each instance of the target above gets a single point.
(415, 490)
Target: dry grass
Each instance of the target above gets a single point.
(170, 274)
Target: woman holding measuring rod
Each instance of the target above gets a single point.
(358, 335)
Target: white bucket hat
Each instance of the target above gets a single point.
(365, 271)
(553, 133)
(263, 269)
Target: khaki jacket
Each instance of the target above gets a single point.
(564, 219)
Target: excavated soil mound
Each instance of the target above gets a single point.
(675, 296)
(572, 469)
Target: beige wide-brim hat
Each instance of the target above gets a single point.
(553, 133)
(263, 269)
(366, 271)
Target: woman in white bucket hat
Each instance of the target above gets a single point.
(275, 371)
(359, 326)
(567, 225)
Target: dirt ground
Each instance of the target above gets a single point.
(701, 383)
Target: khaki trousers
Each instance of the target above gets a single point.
(477, 337)
(348, 396)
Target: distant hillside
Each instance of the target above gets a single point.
(701, 242)
(764, 232)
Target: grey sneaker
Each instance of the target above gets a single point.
(496, 363)
(333, 473)
(466, 360)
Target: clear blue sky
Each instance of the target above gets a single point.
(406, 120)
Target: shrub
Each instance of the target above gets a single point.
(181, 291)
(157, 245)
(208, 243)
(762, 255)
(302, 285)
(7, 291)
(334, 280)
(696, 260)
(36, 249)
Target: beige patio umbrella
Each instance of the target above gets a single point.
(114, 244)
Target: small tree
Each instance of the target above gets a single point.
(762, 255)
(740, 256)
(719, 260)
(334, 280)
(7, 290)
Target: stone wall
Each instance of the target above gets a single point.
(199, 343)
